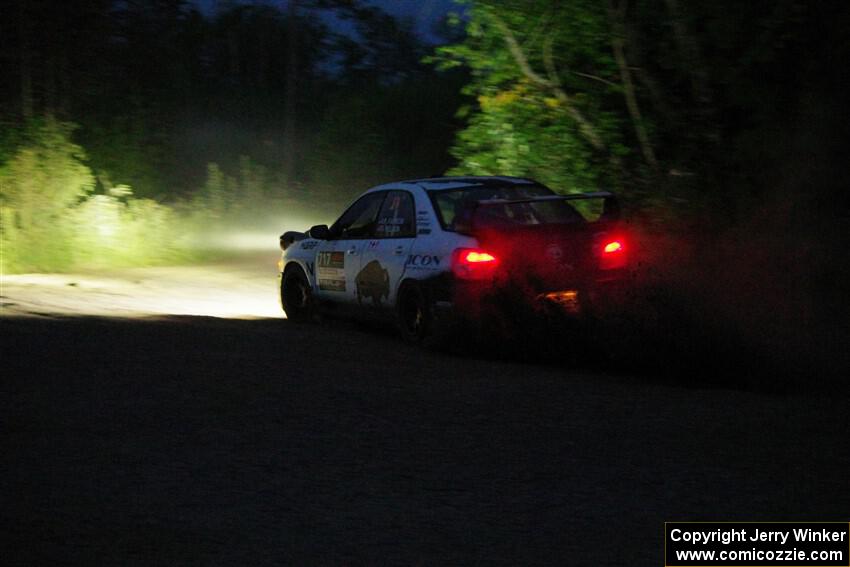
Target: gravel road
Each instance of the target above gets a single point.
(178, 440)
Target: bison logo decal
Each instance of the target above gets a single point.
(373, 281)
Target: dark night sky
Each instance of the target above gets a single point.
(423, 12)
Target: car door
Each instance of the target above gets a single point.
(338, 259)
(385, 256)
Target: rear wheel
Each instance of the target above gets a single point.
(415, 316)
(296, 296)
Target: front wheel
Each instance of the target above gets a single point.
(296, 296)
(415, 317)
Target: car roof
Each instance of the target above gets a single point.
(439, 183)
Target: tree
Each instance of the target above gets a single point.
(546, 87)
(44, 177)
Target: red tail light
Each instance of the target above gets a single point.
(612, 247)
(473, 264)
(612, 254)
(476, 257)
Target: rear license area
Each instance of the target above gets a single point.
(564, 300)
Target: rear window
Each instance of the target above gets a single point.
(504, 215)
(451, 203)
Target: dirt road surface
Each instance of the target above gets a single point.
(244, 286)
(185, 439)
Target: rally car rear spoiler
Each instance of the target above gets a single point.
(610, 207)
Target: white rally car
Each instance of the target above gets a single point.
(428, 251)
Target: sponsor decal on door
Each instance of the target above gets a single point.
(330, 269)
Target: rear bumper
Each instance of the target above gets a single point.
(573, 299)
(485, 302)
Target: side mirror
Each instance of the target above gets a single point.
(320, 232)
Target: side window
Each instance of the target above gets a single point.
(359, 220)
(397, 218)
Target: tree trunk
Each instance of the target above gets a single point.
(291, 92)
(693, 66)
(25, 61)
(617, 16)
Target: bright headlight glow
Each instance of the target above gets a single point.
(246, 289)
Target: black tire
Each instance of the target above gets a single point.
(296, 296)
(414, 313)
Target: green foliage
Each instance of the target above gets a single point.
(53, 221)
(518, 134)
(234, 199)
(528, 95)
(56, 217)
(246, 199)
(127, 148)
(111, 232)
(47, 174)
(39, 184)
(161, 89)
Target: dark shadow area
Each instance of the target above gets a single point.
(663, 337)
(192, 439)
